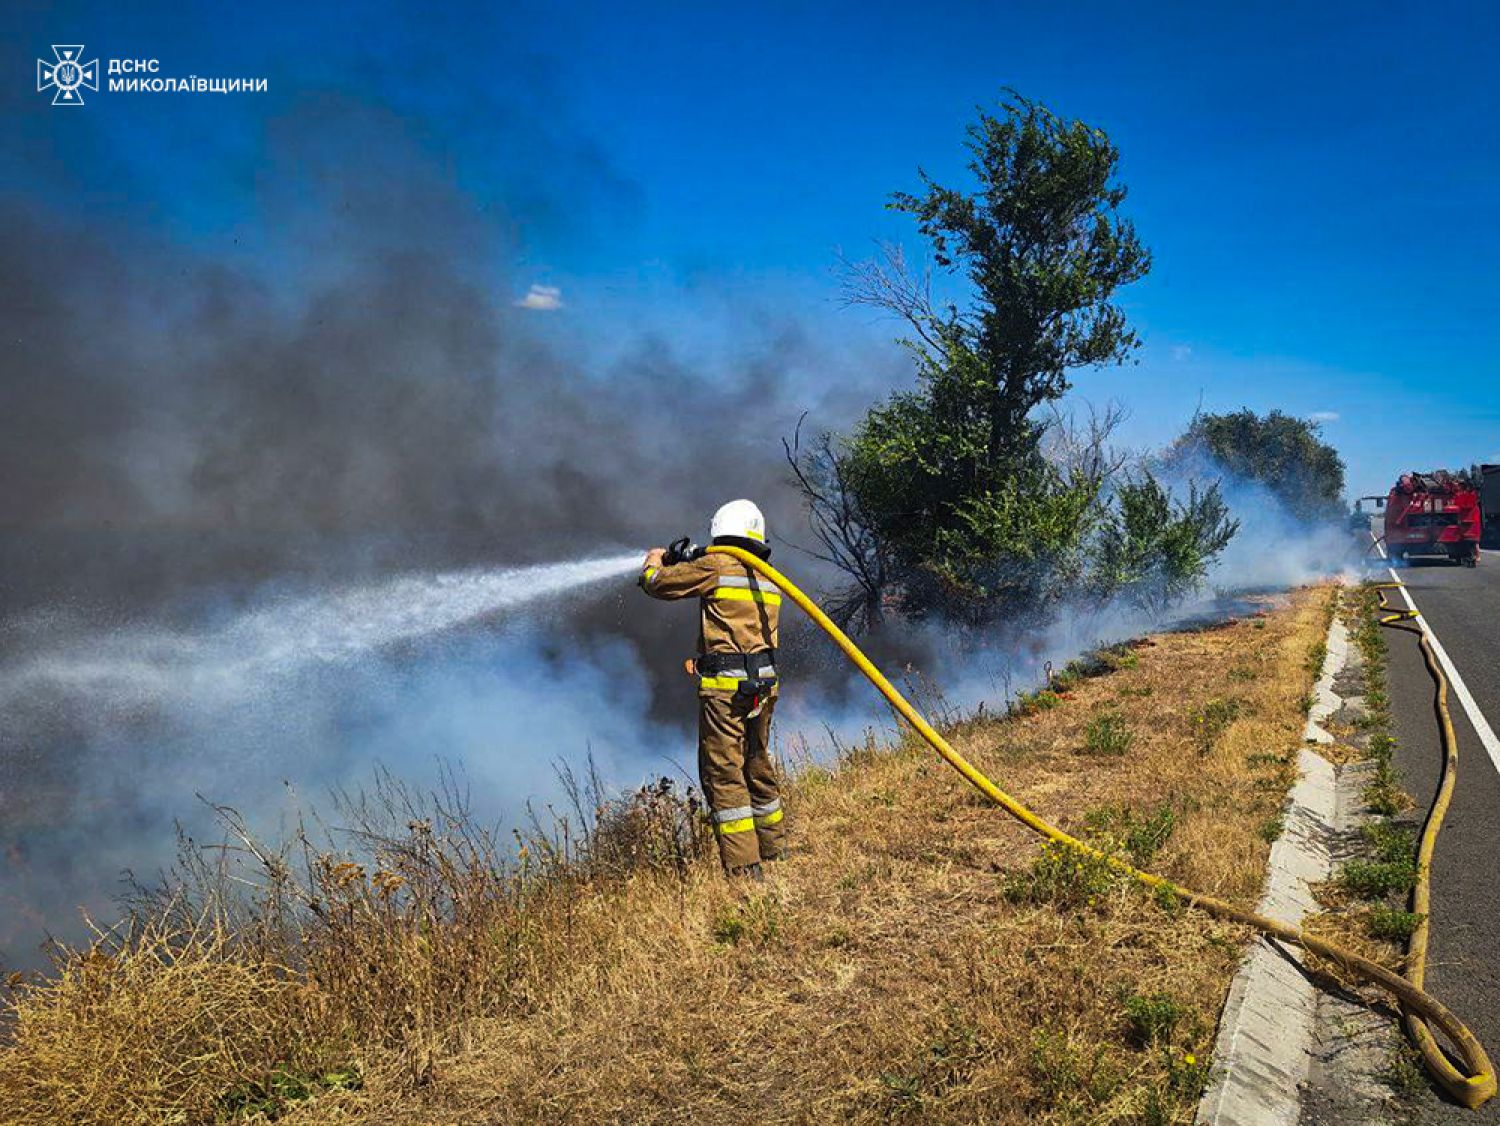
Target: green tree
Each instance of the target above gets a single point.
(1285, 454)
(1043, 246)
(950, 478)
(1154, 549)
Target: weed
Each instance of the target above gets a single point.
(1374, 879)
(1384, 798)
(904, 1090)
(756, 921)
(1317, 655)
(1403, 1071)
(1066, 680)
(1028, 703)
(1159, 1108)
(1211, 720)
(1243, 673)
(275, 1094)
(1100, 662)
(1054, 1062)
(1188, 1075)
(957, 1040)
(1384, 794)
(836, 938)
(1393, 925)
(1108, 734)
(1139, 836)
(1390, 841)
(956, 1045)
(1065, 877)
(729, 927)
(1271, 828)
(1152, 1017)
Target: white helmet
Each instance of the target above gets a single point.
(739, 518)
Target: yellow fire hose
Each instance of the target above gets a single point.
(1421, 895)
(1422, 1009)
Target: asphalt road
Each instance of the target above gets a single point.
(1462, 607)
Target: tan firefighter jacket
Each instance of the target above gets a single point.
(739, 613)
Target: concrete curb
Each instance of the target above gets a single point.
(1264, 1050)
(1326, 701)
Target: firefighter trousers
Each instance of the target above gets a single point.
(739, 781)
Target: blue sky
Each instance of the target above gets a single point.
(1315, 181)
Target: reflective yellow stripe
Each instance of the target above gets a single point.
(743, 825)
(751, 533)
(650, 573)
(768, 820)
(740, 594)
(726, 682)
(729, 682)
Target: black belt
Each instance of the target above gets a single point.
(760, 663)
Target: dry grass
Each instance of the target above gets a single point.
(919, 958)
(152, 1035)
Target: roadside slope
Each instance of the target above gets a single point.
(920, 957)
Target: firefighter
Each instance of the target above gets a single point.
(735, 668)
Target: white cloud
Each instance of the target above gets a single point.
(1181, 352)
(1323, 416)
(545, 297)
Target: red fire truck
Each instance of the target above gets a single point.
(1433, 514)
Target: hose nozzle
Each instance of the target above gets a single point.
(682, 551)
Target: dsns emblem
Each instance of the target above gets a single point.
(68, 74)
